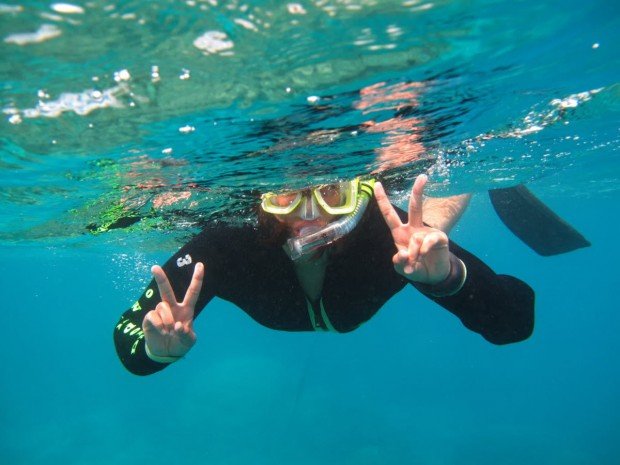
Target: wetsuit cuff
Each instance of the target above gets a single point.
(451, 285)
(159, 358)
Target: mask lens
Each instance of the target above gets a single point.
(281, 204)
(337, 199)
(333, 195)
(284, 200)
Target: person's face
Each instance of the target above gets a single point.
(311, 209)
(307, 216)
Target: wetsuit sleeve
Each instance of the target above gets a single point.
(498, 307)
(128, 334)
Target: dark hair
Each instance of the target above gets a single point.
(270, 230)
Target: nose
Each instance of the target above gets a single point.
(309, 209)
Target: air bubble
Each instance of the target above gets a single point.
(187, 129)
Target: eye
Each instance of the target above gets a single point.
(284, 199)
(331, 194)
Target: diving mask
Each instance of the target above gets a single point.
(335, 199)
(314, 240)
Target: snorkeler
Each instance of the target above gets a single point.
(322, 259)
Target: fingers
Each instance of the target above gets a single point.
(406, 258)
(164, 313)
(153, 327)
(416, 201)
(413, 253)
(193, 291)
(167, 340)
(418, 249)
(165, 289)
(152, 322)
(387, 210)
(433, 241)
(185, 333)
(159, 319)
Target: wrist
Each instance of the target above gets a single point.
(452, 284)
(159, 358)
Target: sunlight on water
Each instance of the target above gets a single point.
(127, 126)
(165, 115)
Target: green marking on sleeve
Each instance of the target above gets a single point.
(129, 327)
(135, 307)
(121, 323)
(134, 347)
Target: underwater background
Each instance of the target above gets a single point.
(126, 126)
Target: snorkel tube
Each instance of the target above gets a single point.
(300, 246)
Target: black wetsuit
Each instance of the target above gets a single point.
(359, 279)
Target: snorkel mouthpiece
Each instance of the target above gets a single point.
(303, 245)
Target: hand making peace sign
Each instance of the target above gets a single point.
(168, 329)
(422, 252)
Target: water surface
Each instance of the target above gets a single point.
(126, 126)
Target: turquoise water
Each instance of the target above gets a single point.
(127, 125)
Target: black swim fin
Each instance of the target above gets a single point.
(534, 223)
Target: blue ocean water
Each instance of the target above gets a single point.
(128, 125)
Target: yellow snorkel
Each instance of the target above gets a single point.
(300, 246)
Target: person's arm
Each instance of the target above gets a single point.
(422, 252)
(158, 330)
(498, 307)
(129, 336)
